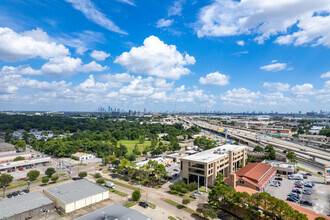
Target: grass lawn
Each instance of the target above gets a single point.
(307, 171)
(179, 206)
(130, 144)
(118, 192)
(122, 184)
(171, 218)
(130, 204)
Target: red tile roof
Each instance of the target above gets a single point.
(254, 171)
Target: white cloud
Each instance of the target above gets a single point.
(240, 53)
(277, 86)
(119, 77)
(157, 59)
(64, 66)
(89, 85)
(164, 23)
(129, 2)
(267, 18)
(326, 75)
(274, 67)
(21, 46)
(301, 90)
(240, 42)
(276, 99)
(215, 79)
(176, 8)
(93, 14)
(239, 96)
(138, 88)
(99, 55)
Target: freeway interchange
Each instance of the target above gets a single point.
(311, 155)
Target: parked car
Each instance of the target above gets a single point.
(307, 192)
(279, 183)
(193, 196)
(143, 204)
(293, 194)
(320, 173)
(311, 183)
(15, 194)
(26, 191)
(9, 195)
(299, 186)
(299, 191)
(21, 168)
(110, 168)
(21, 179)
(21, 192)
(292, 199)
(274, 183)
(308, 174)
(13, 170)
(308, 185)
(100, 169)
(279, 178)
(299, 182)
(176, 169)
(181, 194)
(305, 202)
(199, 192)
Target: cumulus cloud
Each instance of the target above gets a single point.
(277, 86)
(157, 59)
(240, 42)
(89, 85)
(64, 66)
(268, 18)
(99, 55)
(301, 90)
(240, 96)
(93, 14)
(326, 75)
(274, 66)
(21, 46)
(215, 79)
(164, 23)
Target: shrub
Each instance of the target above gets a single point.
(45, 180)
(54, 178)
(50, 171)
(97, 175)
(136, 195)
(75, 158)
(185, 201)
(100, 181)
(82, 174)
(192, 186)
(19, 158)
(199, 209)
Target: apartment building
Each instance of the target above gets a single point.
(204, 167)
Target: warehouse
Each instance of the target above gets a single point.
(25, 206)
(113, 212)
(72, 196)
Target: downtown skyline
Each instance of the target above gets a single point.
(182, 55)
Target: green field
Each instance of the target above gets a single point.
(131, 144)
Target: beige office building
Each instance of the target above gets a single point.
(204, 167)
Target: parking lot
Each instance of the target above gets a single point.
(320, 193)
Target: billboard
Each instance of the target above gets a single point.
(327, 174)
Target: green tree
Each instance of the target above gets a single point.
(50, 171)
(209, 213)
(82, 174)
(21, 145)
(219, 193)
(141, 139)
(219, 179)
(25, 136)
(100, 181)
(136, 195)
(5, 179)
(185, 201)
(131, 157)
(54, 178)
(45, 180)
(97, 175)
(270, 153)
(33, 175)
(291, 157)
(258, 149)
(19, 158)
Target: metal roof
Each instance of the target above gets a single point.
(23, 203)
(75, 191)
(113, 212)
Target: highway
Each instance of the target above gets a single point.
(305, 152)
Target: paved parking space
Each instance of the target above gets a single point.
(320, 193)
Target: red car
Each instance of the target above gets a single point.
(21, 168)
(100, 169)
(13, 170)
(21, 179)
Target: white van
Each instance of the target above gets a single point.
(110, 184)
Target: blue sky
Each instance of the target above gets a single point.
(188, 55)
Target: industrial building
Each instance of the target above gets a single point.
(203, 167)
(114, 212)
(24, 163)
(25, 206)
(257, 176)
(72, 196)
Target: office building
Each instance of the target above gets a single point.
(76, 195)
(204, 167)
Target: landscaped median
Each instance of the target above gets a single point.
(123, 185)
(179, 206)
(118, 192)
